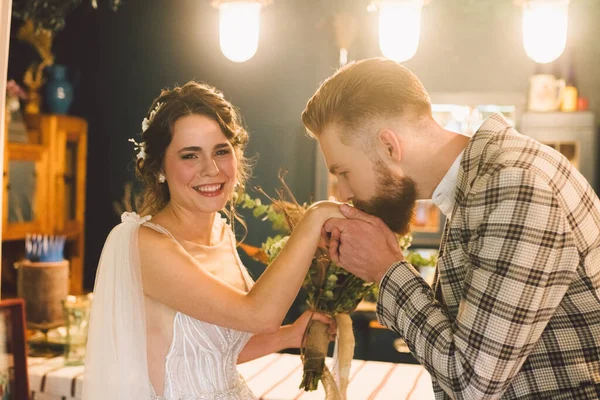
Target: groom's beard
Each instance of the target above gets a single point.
(394, 202)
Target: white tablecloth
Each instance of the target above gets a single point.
(273, 377)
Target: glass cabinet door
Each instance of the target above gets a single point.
(21, 191)
(68, 144)
(70, 181)
(26, 191)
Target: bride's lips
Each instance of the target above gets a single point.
(210, 190)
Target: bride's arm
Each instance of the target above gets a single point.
(286, 337)
(173, 277)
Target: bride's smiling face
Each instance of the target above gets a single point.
(200, 165)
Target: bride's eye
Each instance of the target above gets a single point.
(223, 152)
(189, 156)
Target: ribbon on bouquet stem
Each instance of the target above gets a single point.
(343, 352)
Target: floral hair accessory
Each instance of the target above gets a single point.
(140, 147)
(146, 121)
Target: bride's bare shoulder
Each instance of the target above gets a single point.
(150, 238)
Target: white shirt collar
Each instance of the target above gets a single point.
(443, 195)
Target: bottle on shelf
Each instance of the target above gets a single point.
(569, 101)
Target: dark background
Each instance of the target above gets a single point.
(120, 61)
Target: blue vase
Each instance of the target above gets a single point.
(58, 91)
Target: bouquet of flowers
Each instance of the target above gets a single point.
(330, 289)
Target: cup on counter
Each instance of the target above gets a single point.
(545, 92)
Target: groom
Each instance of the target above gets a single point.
(515, 310)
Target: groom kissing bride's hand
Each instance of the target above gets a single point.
(362, 244)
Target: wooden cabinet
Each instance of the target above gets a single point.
(44, 188)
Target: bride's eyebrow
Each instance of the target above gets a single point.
(190, 148)
(199, 149)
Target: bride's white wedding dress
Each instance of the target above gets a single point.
(201, 360)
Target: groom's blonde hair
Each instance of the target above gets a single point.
(362, 92)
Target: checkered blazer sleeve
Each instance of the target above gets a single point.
(521, 259)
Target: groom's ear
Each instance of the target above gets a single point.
(389, 146)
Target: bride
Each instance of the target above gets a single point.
(174, 309)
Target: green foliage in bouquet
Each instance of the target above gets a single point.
(340, 293)
(264, 212)
(336, 290)
(329, 288)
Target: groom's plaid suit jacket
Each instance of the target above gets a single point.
(517, 311)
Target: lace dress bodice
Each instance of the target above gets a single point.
(201, 361)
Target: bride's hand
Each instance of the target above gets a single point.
(298, 328)
(325, 210)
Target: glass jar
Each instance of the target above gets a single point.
(77, 315)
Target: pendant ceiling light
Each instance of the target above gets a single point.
(239, 27)
(545, 29)
(399, 27)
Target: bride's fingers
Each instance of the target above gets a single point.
(324, 318)
(332, 329)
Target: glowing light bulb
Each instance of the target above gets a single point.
(545, 29)
(239, 23)
(399, 28)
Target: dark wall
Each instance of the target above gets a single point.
(124, 58)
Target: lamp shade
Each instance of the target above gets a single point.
(239, 25)
(399, 28)
(545, 29)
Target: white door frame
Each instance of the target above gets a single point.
(5, 14)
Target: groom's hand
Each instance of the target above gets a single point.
(362, 244)
(325, 239)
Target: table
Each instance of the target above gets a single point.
(273, 377)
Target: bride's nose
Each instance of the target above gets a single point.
(209, 168)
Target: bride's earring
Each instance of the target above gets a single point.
(161, 178)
